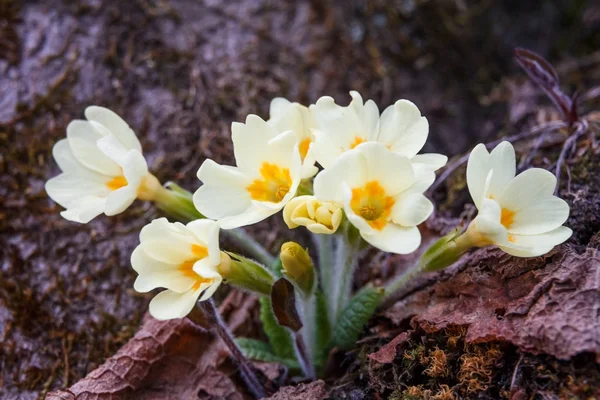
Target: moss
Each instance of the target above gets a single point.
(443, 366)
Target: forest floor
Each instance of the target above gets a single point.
(180, 72)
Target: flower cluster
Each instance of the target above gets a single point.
(371, 172)
(349, 174)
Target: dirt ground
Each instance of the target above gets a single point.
(180, 72)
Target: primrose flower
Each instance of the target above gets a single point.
(184, 259)
(288, 116)
(103, 170)
(518, 213)
(268, 172)
(382, 195)
(317, 216)
(401, 128)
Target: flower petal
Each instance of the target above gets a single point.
(119, 200)
(223, 193)
(544, 215)
(502, 161)
(488, 223)
(337, 128)
(83, 143)
(411, 209)
(477, 173)
(250, 142)
(536, 245)
(251, 215)
(207, 233)
(67, 189)
(430, 161)
(392, 170)
(348, 168)
(169, 305)
(527, 188)
(115, 124)
(403, 128)
(395, 238)
(85, 209)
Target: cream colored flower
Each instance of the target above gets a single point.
(382, 195)
(518, 213)
(103, 170)
(401, 128)
(184, 259)
(268, 172)
(288, 116)
(317, 216)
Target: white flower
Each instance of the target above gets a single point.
(181, 258)
(519, 213)
(288, 116)
(382, 195)
(103, 170)
(267, 175)
(317, 216)
(401, 128)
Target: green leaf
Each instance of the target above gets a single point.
(262, 351)
(323, 330)
(279, 337)
(355, 316)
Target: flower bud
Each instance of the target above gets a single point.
(245, 274)
(316, 216)
(298, 266)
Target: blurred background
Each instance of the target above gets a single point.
(180, 72)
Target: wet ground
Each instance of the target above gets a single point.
(180, 72)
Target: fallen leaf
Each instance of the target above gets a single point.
(387, 353)
(548, 304)
(173, 359)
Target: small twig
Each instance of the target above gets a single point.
(515, 372)
(246, 369)
(463, 159)
(538, 143)
(570, 143)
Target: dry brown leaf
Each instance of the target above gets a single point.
(547, 304)
(165, 360)
(387, 353)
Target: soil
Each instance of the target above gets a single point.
(180, 72)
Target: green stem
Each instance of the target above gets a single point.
(178, 203)
(400, 281)
(346, 260)
(307, 334)
(325, 250)
(242, 239)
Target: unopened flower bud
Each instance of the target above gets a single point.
(245, 274)
(317, 216)
(298, 266)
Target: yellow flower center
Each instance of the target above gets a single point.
(273, 186)
(372, 203)
(507, 218)
(303, 147)
(357, 140)
(116, 183)
(187, 267)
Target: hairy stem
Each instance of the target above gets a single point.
(246, 370)
(325, 249)
(303, 356)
